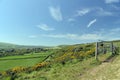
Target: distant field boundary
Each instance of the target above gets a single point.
(22, 58)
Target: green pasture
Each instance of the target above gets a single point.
(22, 60)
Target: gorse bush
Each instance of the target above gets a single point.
(40, 65)
(18, 69)
(75, 55)
(71, 53)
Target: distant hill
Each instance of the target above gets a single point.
(9, 45)
(73, 62)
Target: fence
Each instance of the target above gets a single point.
(105, 47)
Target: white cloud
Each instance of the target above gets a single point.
(115, 31)
(56, 13)
(91, 37)
(32, 36)
(102, 34)
(102, 12)
(111, 1)
(109, 34)
(45, 27)
(91, 22)
(95, 11)
(82, 12)
(115, 7)
(75, 36)
(71, 19)
(117, 22)
(55, 35)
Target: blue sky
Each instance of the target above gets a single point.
(56, 22)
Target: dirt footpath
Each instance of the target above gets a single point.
(105, 71)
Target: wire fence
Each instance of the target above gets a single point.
(104, 47)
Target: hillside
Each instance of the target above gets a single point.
(71, 62)
(105, 71)
(77, 71)
(9, 46)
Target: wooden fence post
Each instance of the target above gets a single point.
(112, 48)
(104, 49)
(96, 51)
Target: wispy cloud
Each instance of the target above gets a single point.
(82, 12)
(95, 11)
(45, 27)
(91, 22)
(115, 30)
(117, 22)
(56, 13)
(102, 34)
(109, 34)
(91, 37)
(32, 36)
(78, 13)
(102, 12)
(111, 1)
(71, 19)
(115, 7)
(75, 36)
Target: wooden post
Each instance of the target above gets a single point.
(112, 48)
(104, 50)
(96, 51)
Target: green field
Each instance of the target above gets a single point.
(72, 62)
(23, 60)
(70, 71)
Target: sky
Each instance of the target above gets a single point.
(59, 22)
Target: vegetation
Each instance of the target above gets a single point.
(63, 63)
(14, 51)
(22, 60)
(11, 46)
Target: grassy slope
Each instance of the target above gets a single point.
(105, 71)
(70, 71)
(74, 70)
(8, 64)
(24, 60)
(34, 55)
(8, 45)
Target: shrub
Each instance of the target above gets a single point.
(18, 69)
(40, 65)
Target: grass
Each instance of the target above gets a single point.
(23, 60)
(70, 71)
(34, 55)
(105, 71)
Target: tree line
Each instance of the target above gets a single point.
(13, 51)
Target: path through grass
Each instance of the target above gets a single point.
(105, 71)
